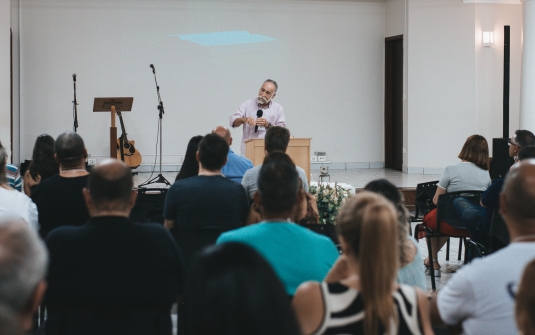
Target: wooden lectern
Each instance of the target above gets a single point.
(298, 150)
(113, 105)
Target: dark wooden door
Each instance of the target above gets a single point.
(394, 102)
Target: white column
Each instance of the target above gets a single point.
(5, 83)
(527, 93)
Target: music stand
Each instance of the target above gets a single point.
(113, 105)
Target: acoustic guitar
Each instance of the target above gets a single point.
(130, 156)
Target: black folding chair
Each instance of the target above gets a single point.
(447, 213)
(473, 250)
(499, 234)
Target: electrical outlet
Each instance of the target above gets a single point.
(322, 158)
(91, 161)
(313, 158)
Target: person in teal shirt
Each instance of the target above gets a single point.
(295, 253)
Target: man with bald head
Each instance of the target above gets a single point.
(111, 276)
(479, 296)
(236, 164)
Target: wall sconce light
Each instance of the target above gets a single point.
(488, 38)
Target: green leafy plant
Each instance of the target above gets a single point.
(329, 199)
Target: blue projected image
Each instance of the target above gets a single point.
(225, 38)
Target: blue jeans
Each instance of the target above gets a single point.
(471, 215)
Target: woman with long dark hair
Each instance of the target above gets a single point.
(232, 290)
(360, 294)
(43, 164)
(190, 166)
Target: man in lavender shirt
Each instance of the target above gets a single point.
(272, 114)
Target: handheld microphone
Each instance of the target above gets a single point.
(259, 113)
(74, 77)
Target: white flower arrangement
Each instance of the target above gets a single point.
(329, 199)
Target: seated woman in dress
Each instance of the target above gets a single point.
(360, 294)
(190, 166)
(470, 174)
(43, 164)
(232, 290)
(411, 269)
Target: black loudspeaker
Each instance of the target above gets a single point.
(501, 161)
(149, 205)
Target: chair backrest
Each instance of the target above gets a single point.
(429, 190)
(445, 210)
(149, 205)
(192, 241)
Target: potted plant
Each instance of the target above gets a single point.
(329, 199)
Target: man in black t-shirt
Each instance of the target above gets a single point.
(111, 276)
(208, 200)
(59, 199)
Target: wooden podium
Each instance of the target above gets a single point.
(113, 105)
(298, 150)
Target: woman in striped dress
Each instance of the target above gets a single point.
(360, 294)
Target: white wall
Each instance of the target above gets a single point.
(489, 68)
(454, 86)
(15, 6)
(394, 17)
(441, 81)
(328, 61)
(5, 84)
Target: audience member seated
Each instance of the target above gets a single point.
(59, 199)
(190, 166)
(521, 138)
(471, 174)
(13, 177)
(277, 139)
(411, 271)
(233, 290)
(208, 200)
(23, 262)
(295, 253)
(236, 164)
(478, 218)
(360, 296)
(525, 301)
(477, 296)
(14, 204)
(43, 165)
(306, 209)
(111, 276)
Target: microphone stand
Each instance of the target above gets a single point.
(75, 103)
(159, 178)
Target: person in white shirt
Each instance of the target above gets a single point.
(478, 297)
(15, 204)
